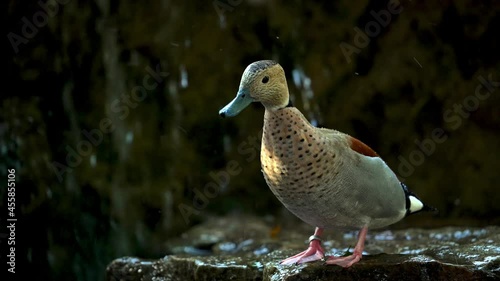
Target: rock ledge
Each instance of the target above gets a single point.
(245, 251)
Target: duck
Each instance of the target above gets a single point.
(328, 179)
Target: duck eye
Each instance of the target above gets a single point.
(265, 79)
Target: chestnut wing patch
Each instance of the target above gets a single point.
(362, 148)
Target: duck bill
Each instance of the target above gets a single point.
(240, 102)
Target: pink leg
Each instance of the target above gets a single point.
(313, 253)
(356, 255)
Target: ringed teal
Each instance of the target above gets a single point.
(326, 178)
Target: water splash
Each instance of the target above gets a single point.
(384, 236)
(261, 251)
(227, 246)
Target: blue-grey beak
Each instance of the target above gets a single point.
(239, 103)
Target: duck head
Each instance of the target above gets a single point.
(263, 81)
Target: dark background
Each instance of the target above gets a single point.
(83, 202)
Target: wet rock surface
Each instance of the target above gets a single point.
(236, 248)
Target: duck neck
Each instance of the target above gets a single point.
(282, 127)
(275, 105)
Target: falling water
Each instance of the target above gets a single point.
(93, 160)
(183, 77)
(129, 137)
(176, 118)
(303, 83)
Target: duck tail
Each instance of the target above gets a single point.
(414, 204)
